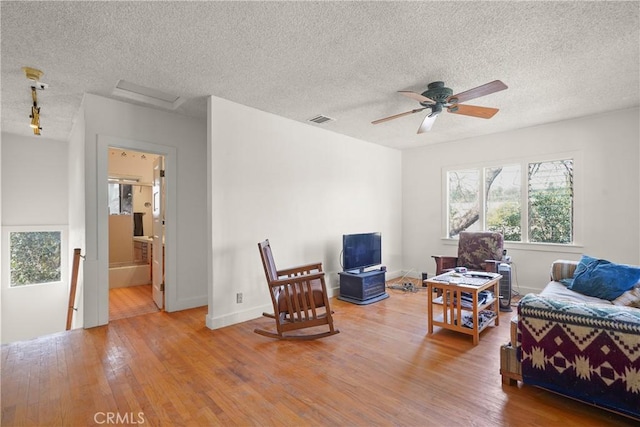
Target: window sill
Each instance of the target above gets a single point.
(525, 246)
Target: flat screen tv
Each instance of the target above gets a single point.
(360, 251)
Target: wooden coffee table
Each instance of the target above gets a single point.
(472, 315)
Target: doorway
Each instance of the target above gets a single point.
(136, 202)
(96, 266)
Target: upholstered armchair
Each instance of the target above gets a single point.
(477, 251)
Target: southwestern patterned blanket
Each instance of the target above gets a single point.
(590, 352)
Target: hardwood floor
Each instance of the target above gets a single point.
(130, 301)
(382, 369)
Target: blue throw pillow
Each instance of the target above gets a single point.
(584, 262)
(604, 279)
(582, 265)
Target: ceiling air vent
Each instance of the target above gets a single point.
(147, 95)
(321, 119)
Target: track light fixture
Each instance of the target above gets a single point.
(35, 113)
(34, 76)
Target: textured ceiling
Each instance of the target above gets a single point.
(345, 60)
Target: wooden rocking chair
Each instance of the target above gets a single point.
(299, 297)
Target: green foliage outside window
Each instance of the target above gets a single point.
(506, 220)
(551, 201)
(503, 198)
(549, 216)
(35, 257)
(549, 195)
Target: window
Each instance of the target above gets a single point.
(502, 208)
(33, 255)
(120, 199)
(464, 203)
(537, 207)
(551, 201)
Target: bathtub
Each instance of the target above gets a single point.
(129, 274)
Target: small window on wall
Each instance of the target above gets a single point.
(120, 199)
(33, 256)
(551, 201)
(464, 200)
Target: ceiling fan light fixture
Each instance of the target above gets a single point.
(435, 109)
(427, 123)
(438, 96)
(438, 92)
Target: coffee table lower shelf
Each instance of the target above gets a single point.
(450, 315)
(487, 318)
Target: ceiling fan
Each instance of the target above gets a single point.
(437, 97)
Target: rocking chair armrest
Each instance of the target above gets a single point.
(307, 269)
(296, 279)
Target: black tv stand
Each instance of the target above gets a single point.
(363, 288)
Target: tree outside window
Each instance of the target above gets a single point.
(502, 209)
(551, 202)
(492, 199)
(35, 257)
(464, 203)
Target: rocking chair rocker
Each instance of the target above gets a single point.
(299, 297)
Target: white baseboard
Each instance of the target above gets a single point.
(187, 303)
(216, 322)
(523, 290)
(397, 274)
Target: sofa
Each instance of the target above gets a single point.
(582, 346)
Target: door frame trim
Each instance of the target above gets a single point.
(104, 142)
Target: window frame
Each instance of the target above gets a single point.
(121, 187)
(6, 254)
(576, 156)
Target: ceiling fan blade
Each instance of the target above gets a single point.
(476, 92)
(426, 124)
(416, 96)
(473, 110)
(395, 116)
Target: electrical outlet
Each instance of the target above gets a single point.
(239, 297)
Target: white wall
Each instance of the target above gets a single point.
(607, 182)
(1, 268)
(144, 129)
(302, 187)
(34, 192)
